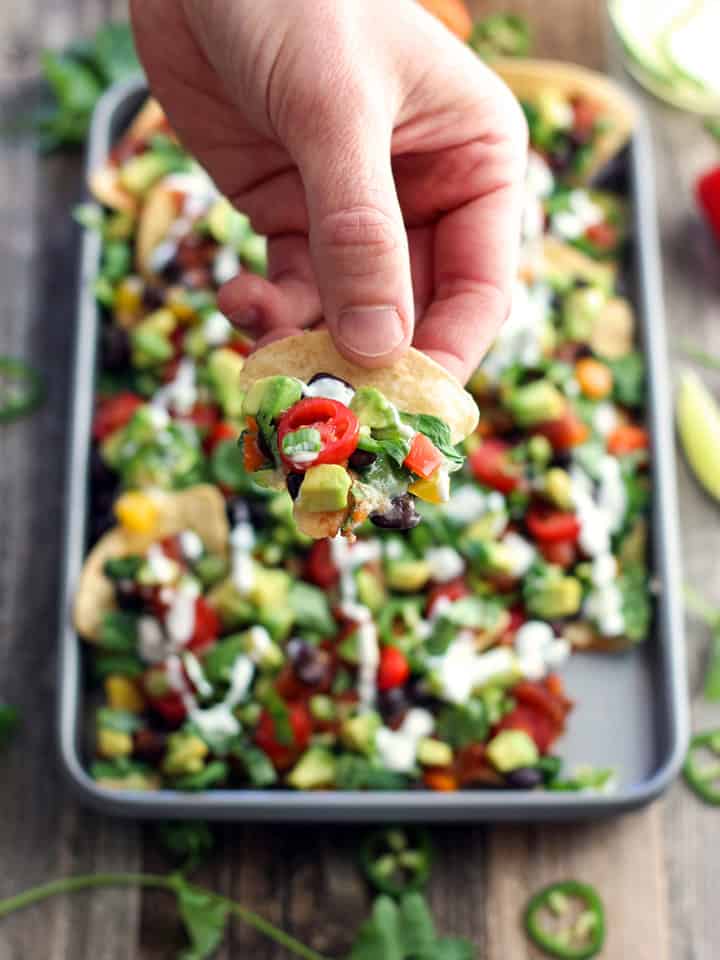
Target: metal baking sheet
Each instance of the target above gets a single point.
(631, 710)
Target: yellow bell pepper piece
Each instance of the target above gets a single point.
(123, 694)
(436, 489)
(137, 512)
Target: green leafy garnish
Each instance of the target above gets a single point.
(628, 379)
(204, 916)
(439, 432)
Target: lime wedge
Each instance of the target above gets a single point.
(698, 419)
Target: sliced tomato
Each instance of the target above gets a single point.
(550, 526)
(603, 236)
(393, 670)
(114, 413)
(491, 466)
(565, 432)
(561, 553)
(204, 416)
(627, 438)
(170, 707)
(424, 458)
(337, 425)
(452, 590)
(319, 566)
(540, 711)
(585, 115)
(207, 627)
(283, 755)
(218, 434)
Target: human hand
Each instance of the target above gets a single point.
(382, 159)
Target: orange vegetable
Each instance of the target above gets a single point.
(453, 13)
(595, 378)
(424, 457)
(253, 457)
(627, 439)
(443, 781)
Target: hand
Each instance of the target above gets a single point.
(382, 159)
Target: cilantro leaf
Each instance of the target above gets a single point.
(462, 724)
(114, 52)
(417, 926)
(204, 917)
(628, 379)
(186, 839)
(451, 948)
(311, 609)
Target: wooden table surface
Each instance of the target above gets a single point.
(655, 868)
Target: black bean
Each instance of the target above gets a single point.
(310, 663)
(153, 297)
(330, 376)
(103, 478)
(361, 459)
(401, 515)
(524, 778)
(127, 597)
(258, 512)
(561, 459)
(149, 744)
(114, 348)
(293, 482)
(393, 704)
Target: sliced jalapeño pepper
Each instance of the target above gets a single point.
(704, 778)
(21, 389)
(397, 860)
(566, 920)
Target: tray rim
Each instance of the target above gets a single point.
(358, 806)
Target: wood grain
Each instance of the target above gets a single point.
(657, 869)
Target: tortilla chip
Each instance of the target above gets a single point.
(613, 335)
(584, 638)
(156, 217)
(558, 258)
(527, 77)
(416, 384)
(200, 508)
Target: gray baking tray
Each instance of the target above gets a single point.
(631, 710)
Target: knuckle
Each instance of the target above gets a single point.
(358, 239)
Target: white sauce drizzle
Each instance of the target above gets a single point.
(398, 748)
(242, 541)
(330, 388)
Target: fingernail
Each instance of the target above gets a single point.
(247, 319)
(370, 331)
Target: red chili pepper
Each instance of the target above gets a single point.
(424, 458)
(114, 413)
(551, 526)
(319, 566)
(707, 190)
(284, 755)
(452, 590)
(492, 467)
(337, 425)
(393, 670)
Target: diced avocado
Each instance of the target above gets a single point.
(324, 488)
(315, 769)
(224, 368)
(358, 732)
(557, 487)
(254, 253)
(227, 225)
(272, 396)
(194, 343)
(581, 309)
(512, 749)
(370, 590)
(372, 408)
(407, 576)
(210, 569)
(434, 753)
(235, 610)
(270, 588)
(539, 450)
(160, 321)
(322, 707)
(149, 348)
(489, 557)
(550, 594)
(490, 525)
(185, 753)
(139, 173)
(534, 402)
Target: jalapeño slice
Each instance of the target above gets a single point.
(397, 860)
(566, 920)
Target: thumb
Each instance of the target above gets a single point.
(358, 240)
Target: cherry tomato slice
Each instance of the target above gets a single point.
(550, 526)
(424, 458)
(319, 566)
(204, 416)
(337, 425)
(627, 438)
(452, 590)
(220, 432)
(603, 236)
(114, 413)
(282, 755)
(492, 467)
(207, 627)
(393, 670)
